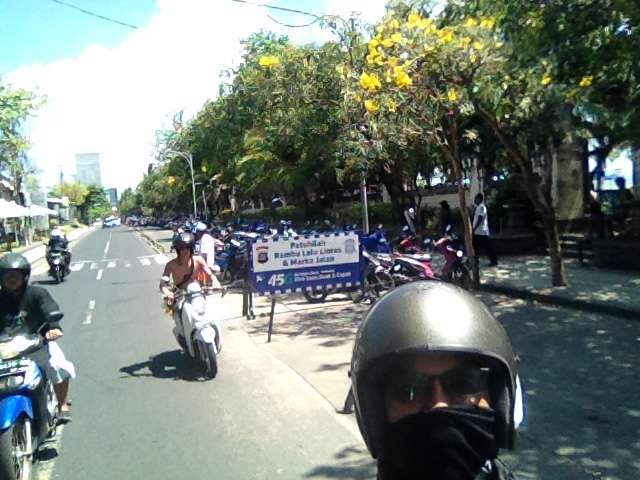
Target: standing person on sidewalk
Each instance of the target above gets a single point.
(481, 238)
(435, 385)
(206, 248)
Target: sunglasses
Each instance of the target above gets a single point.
(458, 383)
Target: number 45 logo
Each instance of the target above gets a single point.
(276, 280)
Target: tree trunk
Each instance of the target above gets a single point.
(636, 173)
(539, 197)
(454, 156)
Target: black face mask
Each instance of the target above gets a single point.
(451, 443)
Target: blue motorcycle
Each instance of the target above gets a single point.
(28, 404)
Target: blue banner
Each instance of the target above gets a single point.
(303, 263)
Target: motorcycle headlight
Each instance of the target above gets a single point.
(11, 382)
(56, 261)
(15, 347)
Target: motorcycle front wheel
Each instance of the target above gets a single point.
(14, 442)
(210, 359)
(316, 296)
(460, 277)
(58, 275)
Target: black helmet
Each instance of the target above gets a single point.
(429, 317)
(15, 261)
(184, 240)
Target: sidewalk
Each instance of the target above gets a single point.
(591, 289)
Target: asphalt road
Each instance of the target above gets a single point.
(140, 412)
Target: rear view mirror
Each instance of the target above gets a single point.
(166, 280)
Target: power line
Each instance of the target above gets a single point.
(87, 12)
(289, 25)
(284, 9)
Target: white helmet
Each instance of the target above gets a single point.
(56, 233)
(201, 227)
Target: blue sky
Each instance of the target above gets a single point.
(109, 87)
(43, 31)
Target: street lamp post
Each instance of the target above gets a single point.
(189, 159)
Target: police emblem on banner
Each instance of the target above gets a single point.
(350, 245)
(263, 254)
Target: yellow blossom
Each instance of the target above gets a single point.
(357, 98)
(397, 38)
(269, 61)
(325, 128)
(371, 105)
(387, 43)
(478, 45)
(546, 80)
(393, 24)
(507, 78)
(505, 85)
(488, 23)
(586, 81)
(370, 82)
(453, 96)
(429, 48)
(379, 61)
(471, 22)
(403, 80)
(171, 180)
(374, 43)
(387, 76)
(410, 41)
(392, 61)
(499, 44)
(399, 70)
(370, 59)
(465, 42)
(380, 29)
(392, 106)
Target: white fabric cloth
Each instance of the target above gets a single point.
(208, 248)
(483, 228)
(59, 367)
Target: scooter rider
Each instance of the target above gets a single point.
(185, 268)
(39, 310)
(435, 385)
(58, 243)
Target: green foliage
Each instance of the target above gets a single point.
(76, 191)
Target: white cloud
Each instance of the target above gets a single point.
(112, 101)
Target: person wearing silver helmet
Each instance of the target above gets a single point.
(435, 385)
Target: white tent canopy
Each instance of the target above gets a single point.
(38, 211)
(12, 210)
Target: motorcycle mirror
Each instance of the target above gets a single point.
(459, 253)
(166, 280)
(379, 226)
(448, 229)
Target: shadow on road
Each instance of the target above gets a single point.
(575, 367)
(172, 364)
(351, 463)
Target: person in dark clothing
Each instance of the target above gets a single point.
(444, 219)
(58, 243)
(31, 309)
(435, 386)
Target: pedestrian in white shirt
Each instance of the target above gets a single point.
(481, 238)
(206, 248)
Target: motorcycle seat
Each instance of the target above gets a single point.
(422, 257)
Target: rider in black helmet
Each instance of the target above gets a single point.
(435, 385)
(31, 308)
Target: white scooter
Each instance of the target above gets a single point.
(197, 331)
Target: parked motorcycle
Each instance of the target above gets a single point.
(58, 267)
(232, 261)
(377, 279)
(456, 268)
(28, 404)
(197, 331)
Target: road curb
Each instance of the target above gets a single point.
(150, 241)
(560, 301)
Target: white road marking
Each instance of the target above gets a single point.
(127, 263)
(92, 305)
(145, 261)
(76, 267)
(111, 264)
(94, 265)
(99, 275)
(106, 249)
